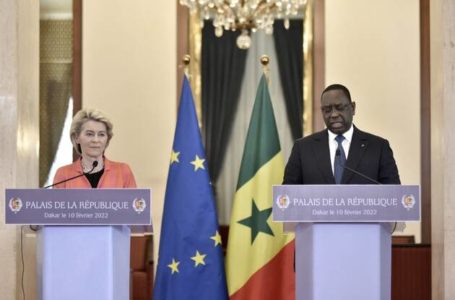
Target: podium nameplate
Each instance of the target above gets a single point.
(78, 206)
(346, 203)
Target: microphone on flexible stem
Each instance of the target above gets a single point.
(337, 153)
(94, 165)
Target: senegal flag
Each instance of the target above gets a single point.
(260, 259)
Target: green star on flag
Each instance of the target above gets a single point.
(258, 221)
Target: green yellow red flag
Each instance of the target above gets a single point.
(260, 258)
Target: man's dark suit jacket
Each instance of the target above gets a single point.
(370, 155)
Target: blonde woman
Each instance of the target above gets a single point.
(91, 132)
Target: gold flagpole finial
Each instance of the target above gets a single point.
(265, 60)
(186, 62)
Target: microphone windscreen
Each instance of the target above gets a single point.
(95, 164)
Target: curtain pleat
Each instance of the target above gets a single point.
(222, 69)
(289, 49)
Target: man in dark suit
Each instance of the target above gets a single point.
(325, 157)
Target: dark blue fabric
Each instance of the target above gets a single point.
(340, 159)
(190, 225)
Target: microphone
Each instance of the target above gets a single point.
(94, 165)
(337, 153)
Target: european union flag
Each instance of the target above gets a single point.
(190, 259)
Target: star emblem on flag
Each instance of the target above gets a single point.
(258, 221)
(216, 238)
(198, 259)
(174, 157)
(198, 163)
(174, 266)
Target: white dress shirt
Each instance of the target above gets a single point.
(333, 145)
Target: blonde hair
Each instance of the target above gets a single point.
(81, 117)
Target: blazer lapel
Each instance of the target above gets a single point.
(359, 144)
(322, 155)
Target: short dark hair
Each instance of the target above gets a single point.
(339, 87)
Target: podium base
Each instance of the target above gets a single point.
(343, 261)
(83, 262)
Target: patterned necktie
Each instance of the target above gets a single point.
(340, 159)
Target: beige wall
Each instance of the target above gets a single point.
(19, 60)
(129, 72)
(373, 48)
(440, 190)
(442, 148)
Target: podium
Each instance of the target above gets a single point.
(90, 262)
(83, 251)
(343, 236)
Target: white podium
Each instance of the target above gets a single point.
(343, 261)
(83, 249)
(83, 262)
(343, 236)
